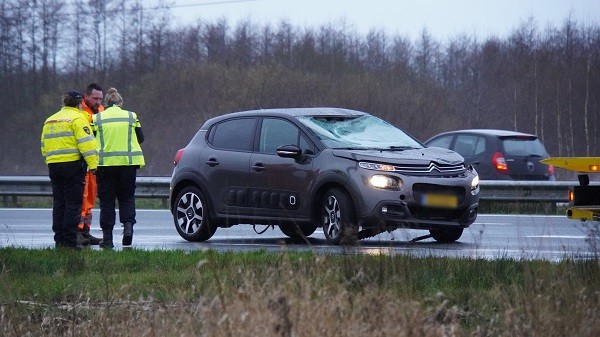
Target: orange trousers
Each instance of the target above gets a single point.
(89, 199)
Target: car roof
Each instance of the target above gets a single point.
(491, 132)
(289, 112)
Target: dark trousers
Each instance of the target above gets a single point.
(116, 182)
(68, 181)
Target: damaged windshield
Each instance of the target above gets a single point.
(359, 132)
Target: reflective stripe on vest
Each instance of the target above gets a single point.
(129, 154)
(66, 137)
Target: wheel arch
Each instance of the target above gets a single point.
(184, 180)
(326, 184)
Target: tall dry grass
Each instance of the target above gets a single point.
(305, 295)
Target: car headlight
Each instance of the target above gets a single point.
(377, 166)
(475, 182)
(382, 181)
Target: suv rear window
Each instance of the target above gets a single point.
(522, 147)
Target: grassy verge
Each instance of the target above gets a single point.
(134, 292)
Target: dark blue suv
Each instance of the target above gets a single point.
(347, 172)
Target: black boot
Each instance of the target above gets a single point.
(107, 239)
(91, 240)
(82, 240)
(127, 233)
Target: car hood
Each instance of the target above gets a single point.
(414, 156)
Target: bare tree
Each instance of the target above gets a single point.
(244, 41)
(426, 55)
(215, 41)
(375, 56)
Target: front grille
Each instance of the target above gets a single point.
(432, 167)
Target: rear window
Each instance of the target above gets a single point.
(523, 147)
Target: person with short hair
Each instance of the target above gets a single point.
(118, 135)
(92, 104)
(69, 149)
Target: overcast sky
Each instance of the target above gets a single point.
(442, 18)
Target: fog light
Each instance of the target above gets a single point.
(384, 210)
(472, 213)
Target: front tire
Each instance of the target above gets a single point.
(446, 235)
(191, 215)
(338, 218)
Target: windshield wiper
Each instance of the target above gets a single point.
(352, 148)
(399, 148)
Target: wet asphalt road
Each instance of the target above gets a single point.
(492, 236)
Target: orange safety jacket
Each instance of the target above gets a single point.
(90, 191)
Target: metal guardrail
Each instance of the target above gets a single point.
(526, 191)
(158, 187)
(12, 187)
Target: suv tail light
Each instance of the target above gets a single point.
(500, 163)
(178, 156)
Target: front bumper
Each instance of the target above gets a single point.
(394, 215)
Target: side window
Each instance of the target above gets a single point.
(305, 145)
(443, 141)
(277, 132)
(233, 134)
(469, 145)
(480, 147)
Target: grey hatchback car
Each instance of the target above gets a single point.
(498, 154)
(347, 172)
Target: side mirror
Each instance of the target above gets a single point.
(289, 151)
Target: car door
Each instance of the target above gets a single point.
(228, 157)
(473, 149)
(279, 187)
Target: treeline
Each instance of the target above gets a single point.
(542, 81)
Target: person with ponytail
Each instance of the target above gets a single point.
(118, 136)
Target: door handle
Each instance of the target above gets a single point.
(212, 162)
(259, 167)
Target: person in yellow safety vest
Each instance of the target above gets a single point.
(69, 149)
(118, 135)
(92, 104)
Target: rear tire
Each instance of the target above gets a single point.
(191, 215)
(338, 218)
(446, 235)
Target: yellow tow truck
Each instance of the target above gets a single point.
(585, 198)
